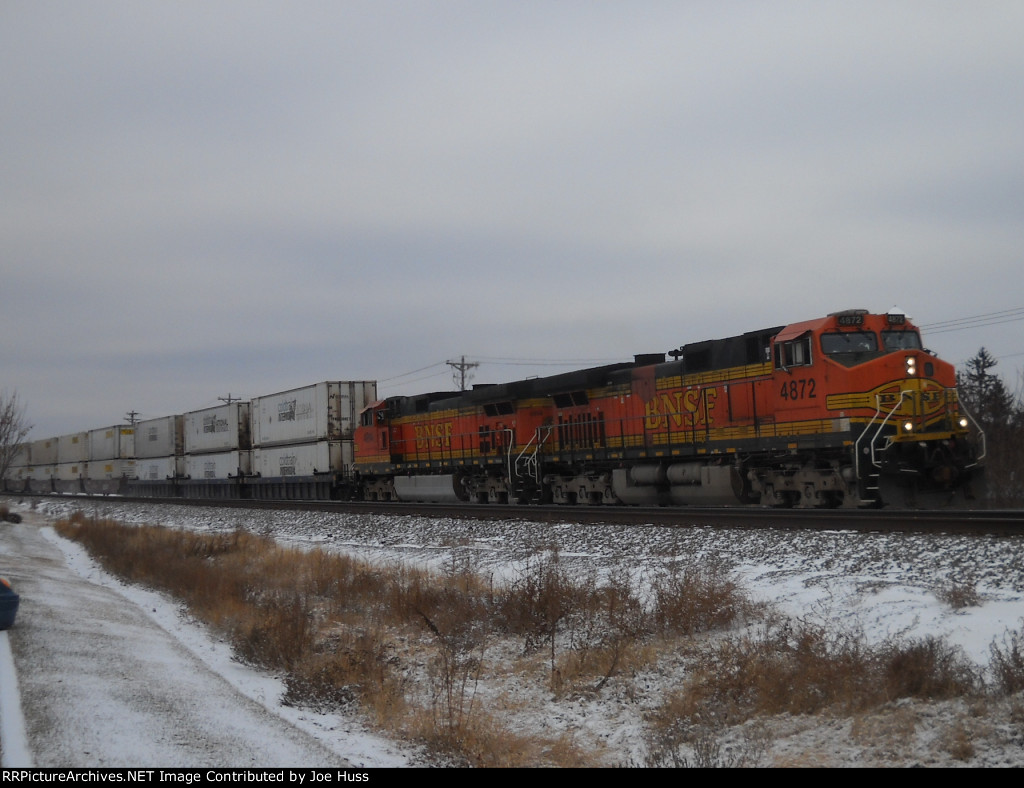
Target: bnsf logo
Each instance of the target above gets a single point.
(685, 409)
(433, 436)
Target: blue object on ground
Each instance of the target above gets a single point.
(8, 604)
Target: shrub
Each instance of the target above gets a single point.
(1007, 662)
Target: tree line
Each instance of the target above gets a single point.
(999, 413)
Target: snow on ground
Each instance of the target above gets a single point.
(880, 584)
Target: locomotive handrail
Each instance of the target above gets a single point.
(874, 437)
(903, 395)
(531, 461)
(510, 433)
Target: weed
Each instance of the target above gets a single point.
(959, 593)
(1007, 662)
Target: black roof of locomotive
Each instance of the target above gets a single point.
(749, 348)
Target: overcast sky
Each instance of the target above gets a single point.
(204, 199)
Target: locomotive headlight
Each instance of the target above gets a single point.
(963, 422)
(911, 366)
(908, 426)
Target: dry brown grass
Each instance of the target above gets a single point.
(410, 649)
(959, 593)
(1007, 663)
(344, 631)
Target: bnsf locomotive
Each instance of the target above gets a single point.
(846, 410)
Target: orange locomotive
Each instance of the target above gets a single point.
(847, 410)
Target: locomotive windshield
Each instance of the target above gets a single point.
(901, 340)
(849, 342)
(850, 348)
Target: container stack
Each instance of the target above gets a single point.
(218, 450)
(159, 455)
(302, 438)
(111, 459)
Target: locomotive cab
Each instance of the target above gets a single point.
(866, 378)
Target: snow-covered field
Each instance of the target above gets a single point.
(881, 585)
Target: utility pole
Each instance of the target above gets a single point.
(461, 368)
(133, 417)
(229, 399)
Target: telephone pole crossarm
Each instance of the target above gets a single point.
(461, 368)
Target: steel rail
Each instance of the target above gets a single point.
(993, 522)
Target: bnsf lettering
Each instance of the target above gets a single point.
(434, 436)
(685, 409)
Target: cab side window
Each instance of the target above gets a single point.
(796, 353)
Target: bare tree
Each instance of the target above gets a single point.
(13, 429)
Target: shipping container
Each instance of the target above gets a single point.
(43, 452)
(40, 477)
(112, 443)
(216, 474)
(300, 470)
(218, 465)
(326, 411)
(18, 472)
(109, 477)
(40, 472)
(158, 477)
(22, 457)
(223, 428)
(110, 469)
(303, 459)
(69, 477)
(73, 448)
(66, 471)
(162, 437)
(158, 469)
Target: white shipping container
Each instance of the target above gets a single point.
(19, 470)
(161, 437)
(303, 459)
(38, 477)
(323, 411)
(219, 429)
(40, 472)
(21, 458)
(67, 471)
(218, 465)
(112, 443)
(43, 452)
(158, 469)
(73, 448)
(17, 476)
(111, 469)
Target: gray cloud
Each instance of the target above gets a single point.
(245, 197)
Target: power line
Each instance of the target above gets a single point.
(414, 372)
(976, 321)
(546, 362)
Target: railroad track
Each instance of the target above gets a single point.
(994, 522)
